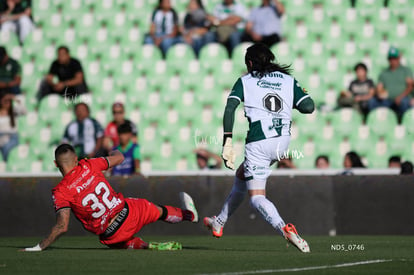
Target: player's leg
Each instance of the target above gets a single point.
(187, 212)
(133, 243)
(233, 201)
(259, 156)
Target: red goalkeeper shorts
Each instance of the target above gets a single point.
(140, 212)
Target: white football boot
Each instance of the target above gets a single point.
(187, 203)
(292, 236)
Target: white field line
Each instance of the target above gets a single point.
(301, 268)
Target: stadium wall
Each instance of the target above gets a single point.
(317, 205)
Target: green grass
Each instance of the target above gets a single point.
(204, 254)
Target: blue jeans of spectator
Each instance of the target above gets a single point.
(234, 40)
(13, 142)
(166, 43)
(200, 42)
(399, 109)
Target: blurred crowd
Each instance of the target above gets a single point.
(229, 23)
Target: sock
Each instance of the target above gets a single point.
(133, 243)
(233, 201)
(268, 211)
(172, 214)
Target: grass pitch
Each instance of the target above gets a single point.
(234, 255)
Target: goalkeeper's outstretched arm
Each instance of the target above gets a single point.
(228, 122)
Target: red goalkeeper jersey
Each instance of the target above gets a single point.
(86, 191)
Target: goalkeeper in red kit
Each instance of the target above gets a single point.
(115, 219)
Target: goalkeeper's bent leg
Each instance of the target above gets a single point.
(233, 201)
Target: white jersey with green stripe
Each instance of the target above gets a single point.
(268, 103)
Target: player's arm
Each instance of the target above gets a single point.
(301, 100)
(234, 99)
(115, 158)
(61, 227)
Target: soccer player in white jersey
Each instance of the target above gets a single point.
(269, 94)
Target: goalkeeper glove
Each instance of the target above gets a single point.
(228, 153)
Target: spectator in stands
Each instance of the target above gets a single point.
(352, 160)
(395, 84)
(407, 168)
(85, 134)
(322, 162)
(265, 23)
(360, 91)
(10, 73)
(70, 78)
(164, 30)
(111, 131)
(229, 19)
(10, 107)
(196, 29)
(394, 162)
(16, 16)
(130, 150)
(203, 156)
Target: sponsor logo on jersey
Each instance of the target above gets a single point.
(269, 85)
(82, 187)
(274, 75)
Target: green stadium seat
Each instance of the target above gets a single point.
(52, 106)
(381, 120)
(398, 140)
(362, 140)
(211, 54)
(345, 121)
(178, 55)
(378, 157)
(238, 54)
(408, 120)
(20, 159)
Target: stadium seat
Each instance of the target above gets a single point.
(51, 106)
(398, 140)
(178, 55)
(408, 120)
(20, 159)
(381, 120)
(238, 54)
(211, 54)
(345, 121)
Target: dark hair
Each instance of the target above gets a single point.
(84, 104)
(259, 61)
(324, 157)
(394, 159)
(124, 128)
(3, 52)
(63, 149)
(355, 160)
(10, 111)
(407, 168)
(200, 4)
(361, 65)
(159, 4)
(65, 48)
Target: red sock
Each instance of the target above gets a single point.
(175, 214)
(136, 243)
